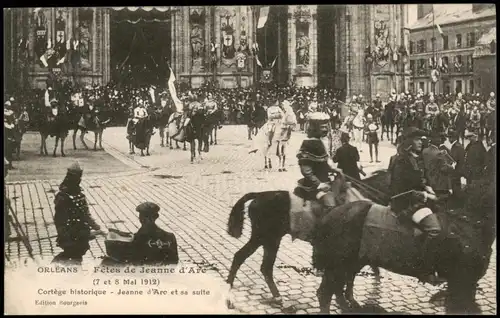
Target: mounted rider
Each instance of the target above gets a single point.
(140, 114)
(411, 194)
(316, 165)
(431, 111)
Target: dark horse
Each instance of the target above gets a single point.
(87, 122)
(195, 131)
(270, 216)
(387, 121)
(212, 124)
(468, 233)
(143, 132)
(438, 123)
(55, 125)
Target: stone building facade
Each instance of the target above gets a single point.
(363, 45)
(450, 54)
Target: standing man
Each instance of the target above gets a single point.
(457, 152)
(371, 131)
(475, 156)
(438, 166)
(347, 157)
(72, 219)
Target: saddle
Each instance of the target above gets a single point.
(304, 192)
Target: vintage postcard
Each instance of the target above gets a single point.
(242, 159)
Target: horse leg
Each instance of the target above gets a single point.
(269, 163)
(162, 135)
(100, 139)
(63, 138)
(241, 256)
(184, 146)
(142, 152)
(95, 140)
(270, 252)
(349, 291)
(215, 135)
(75, 131)
(200, 142)
(193, 150)
(329, 286)
(265, 163)
(211, 136)
(461, 297)
(82, 133)
(42, 142)
(55, 147)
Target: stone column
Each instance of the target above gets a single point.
(303, 50)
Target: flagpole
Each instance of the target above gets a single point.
(434, 43)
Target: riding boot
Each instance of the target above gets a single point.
(430, 225)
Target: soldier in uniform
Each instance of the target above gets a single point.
(408, 174)
(315, 164)
(151, 244)
(475, 120)
(431, 111)
(371, 132)
(72, 219)
(475, 156)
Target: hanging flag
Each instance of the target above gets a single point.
(439, 29)
(272, 65)
(263, 13)
(171, 88)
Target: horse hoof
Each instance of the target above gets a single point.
(148, 154)
(63, 155)
(279, 170)
(211, 143)
(54, 155)
(184, 149)
(284, 170)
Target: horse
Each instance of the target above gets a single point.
(273, 214)
(349, 238)
(437, 123)
(54, 125)
(195, 131)
(143, 132)
(172, 131)
(387, 121)
(93, 123)
(211, 125)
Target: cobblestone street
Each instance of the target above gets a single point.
(195, 201)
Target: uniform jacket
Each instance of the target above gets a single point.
(457, 152)
(347, 157)
(153, 245)
(313, 162)
(437, 169)
(475, 155)
(72, 218)
(408, 173)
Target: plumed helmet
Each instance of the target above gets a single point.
(369, 116)
(378, 95)
(492, 94)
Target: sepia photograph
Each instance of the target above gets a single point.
(251, 159)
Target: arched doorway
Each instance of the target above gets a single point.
(140, 45)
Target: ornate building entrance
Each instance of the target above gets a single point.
(140, 46)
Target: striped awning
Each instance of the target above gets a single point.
(138, 14)
(148, 9)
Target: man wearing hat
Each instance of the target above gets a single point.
(438, 165)
(457, 152)
(475, 156)
(347, 157)
(151, 244)
(72, 219)
(411, 192)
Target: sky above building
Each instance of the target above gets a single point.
(439, 8)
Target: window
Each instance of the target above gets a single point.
(421, 46)
(471, 86)
(421, 67)
(445, 42)
(458, 87)
(445, 64)
(422, 86)
(470, 63)
(471, 39)
(412, 47)
(458, 63)
(446, 87)
(459, 41)
(412, 66)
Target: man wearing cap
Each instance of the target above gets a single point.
(475, 120)
(457, 152)
(152, 245)
(408, 174)
(475, 156)
(72, 219)
(431, 111)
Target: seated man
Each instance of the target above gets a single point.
(151, 244)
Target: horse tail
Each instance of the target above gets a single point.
(235, 223)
